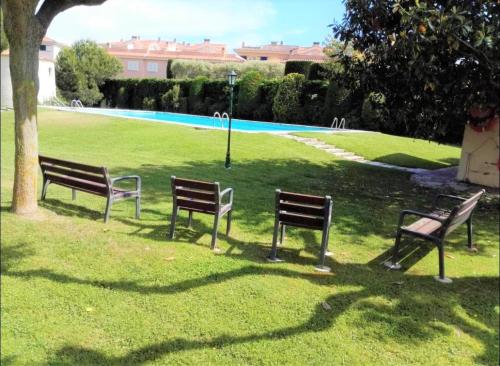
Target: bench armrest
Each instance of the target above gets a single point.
(448, 197)
(405, 213)
(224, 192)
(128, 177)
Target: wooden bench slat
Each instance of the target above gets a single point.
(202, 195)
(196, 184)
(302, 209)
(48, 169)
(90, 187)
(301, 220)
(70, 164)
(302, 198)
(201, 206)
(424, 226)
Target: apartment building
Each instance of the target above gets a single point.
(275, 52)
(148, 58)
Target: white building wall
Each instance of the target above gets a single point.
(5, 83)
(46, 76)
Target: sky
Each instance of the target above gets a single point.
(255, 22)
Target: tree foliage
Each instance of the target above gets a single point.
(287, 106)
(82, 68)
(431, 61)
(182, 69)
(4, 43)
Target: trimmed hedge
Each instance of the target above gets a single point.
(297, 67)
(255, 98)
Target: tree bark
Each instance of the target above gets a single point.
(25, 30)
(25, 36)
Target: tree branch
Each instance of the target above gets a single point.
(50, 8)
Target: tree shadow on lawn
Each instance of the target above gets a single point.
(409, 311)
(409, 320)
(412, 161)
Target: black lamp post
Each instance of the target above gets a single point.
(231, 78)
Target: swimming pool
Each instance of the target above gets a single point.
(203, 121)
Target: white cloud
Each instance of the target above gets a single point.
(220, 20)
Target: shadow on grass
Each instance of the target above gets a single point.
(406, 320)
(362, 207)
(412, 161)
(404, 315)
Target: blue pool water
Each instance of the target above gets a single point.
(204, 121)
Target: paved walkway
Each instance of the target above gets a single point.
(340, 153)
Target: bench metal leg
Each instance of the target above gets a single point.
(175, 212)
(229, 219)
(393, 263)
(282, 235)
(274, 250)
(470, 245)
(214, 231)
(441, 278)
(190, 219)
(109, 203)
(73, 194)
(324, 245)
(44, 189)
(138, 207)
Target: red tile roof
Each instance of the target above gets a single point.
(158, 49)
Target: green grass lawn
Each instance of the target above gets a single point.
(402, 151)
(76, 291)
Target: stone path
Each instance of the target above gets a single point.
(330, 149)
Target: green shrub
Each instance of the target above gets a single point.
(169, 75)
(287, 106)
(317, 71)
(265, 100)
(372, 111)
(184, 69)
(170, 100)
(248, 93)
(149, 104)
(122, 99)
(297, 67)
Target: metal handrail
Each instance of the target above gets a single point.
(221, 118)
(338, 124)
(76, 103)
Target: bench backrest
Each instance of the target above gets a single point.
(83, 177)
(462, 212)
(195, 195)
(313, 212)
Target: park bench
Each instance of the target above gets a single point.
(203, 197)
(90, 179)
(304, 211)
(436, 225)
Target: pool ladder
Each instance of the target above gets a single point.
(221, 118)
(76, 103)
(338, 124)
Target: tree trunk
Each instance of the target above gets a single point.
(25, 36)
(24, 75)
(25, 28)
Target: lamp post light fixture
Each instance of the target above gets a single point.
(231, 78)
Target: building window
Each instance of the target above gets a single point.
(133, 65)
(50, 71)
(43, 47)
(152, 67)
(263, 58)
